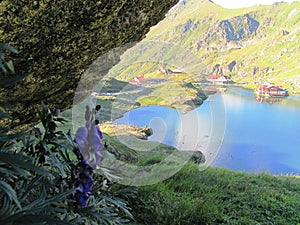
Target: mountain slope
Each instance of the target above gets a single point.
(248, 44)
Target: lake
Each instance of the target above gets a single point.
(234, 129)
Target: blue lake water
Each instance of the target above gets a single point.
(234, 130)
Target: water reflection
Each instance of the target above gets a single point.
(258, 138)
(270, 100)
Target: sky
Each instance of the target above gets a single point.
(245, 3)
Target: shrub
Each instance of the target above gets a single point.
(46, 179)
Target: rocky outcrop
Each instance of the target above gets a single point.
(187, 26)
(231, 66)
(57, 40)
(225, 34)
(239, 27)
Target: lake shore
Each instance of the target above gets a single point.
(234, 154)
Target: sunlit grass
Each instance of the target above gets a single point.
(218, 196)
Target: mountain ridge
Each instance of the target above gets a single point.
(249, 44)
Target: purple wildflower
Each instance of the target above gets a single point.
(81, 137)
(89, 141)
(90, 145)
(57, 112)
(81, 199)
(99, 132)
(83, 182)
(94, 139)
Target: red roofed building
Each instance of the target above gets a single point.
(138, 80)
(217, 78)
(271, 90)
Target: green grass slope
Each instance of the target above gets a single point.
(217, 196)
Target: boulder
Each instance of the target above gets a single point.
(58, 40)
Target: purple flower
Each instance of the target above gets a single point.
(88, 139)
(89, 142)
(81, 137)
(81, 199)
(99, 132)
(87, 184)
(83, 182)
(94, 139)
(57, 112)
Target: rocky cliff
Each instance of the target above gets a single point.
(57, 40)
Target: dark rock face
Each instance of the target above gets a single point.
(252, 23)
(231, 66)
(239, 28)
(57, 40)
(224, 32)
(187, 26)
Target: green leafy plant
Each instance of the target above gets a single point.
(4, 64)
(37, 170)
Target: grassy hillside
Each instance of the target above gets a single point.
(217, 196)
(200, 37)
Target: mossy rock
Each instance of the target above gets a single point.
(58, 40)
